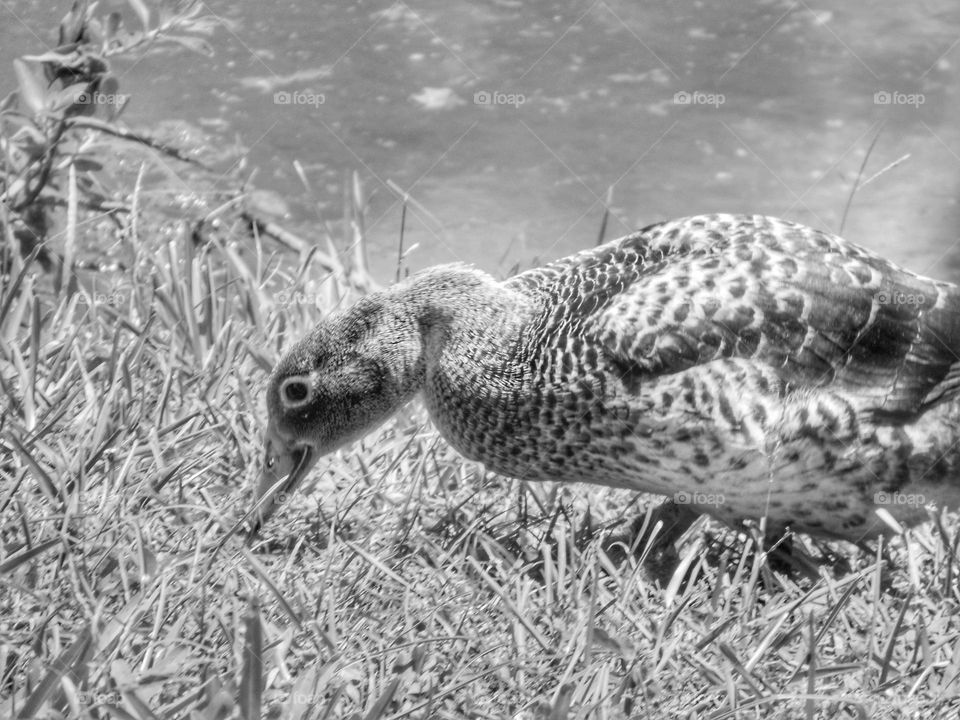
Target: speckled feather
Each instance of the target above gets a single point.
(782, 369)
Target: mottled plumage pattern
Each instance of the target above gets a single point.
(791, 373)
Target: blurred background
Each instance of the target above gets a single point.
(511, 123)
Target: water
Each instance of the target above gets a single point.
(682, 108)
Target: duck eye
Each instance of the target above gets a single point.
(295, 391)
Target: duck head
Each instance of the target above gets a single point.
(349, 375)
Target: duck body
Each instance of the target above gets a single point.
(746, 366)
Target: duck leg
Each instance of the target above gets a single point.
(652, 536)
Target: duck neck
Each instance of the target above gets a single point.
(448, 331)
(454, 305)
(470, 334)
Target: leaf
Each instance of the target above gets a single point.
(13, 288)
(114, 22)
(14, 561)
(110, 90)
(142, 11)
(42, 477)
(28, 139)
(71, 26)
(75, 94)
(198, 45)
(8, 102)
(94, 31)
(148, 562)
(109, 85)
(251, 680)
(70, 60)
(60, 667)
(604, 640)
(87, 164)
(32, 90)
(560, 709)
(380, 706)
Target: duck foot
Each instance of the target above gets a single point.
(786, 556)
(789, 554)
(651, 537)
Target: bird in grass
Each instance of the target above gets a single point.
(745, 367)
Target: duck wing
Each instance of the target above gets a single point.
(819, 310)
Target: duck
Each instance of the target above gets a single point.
(745, 367)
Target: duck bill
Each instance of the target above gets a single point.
(279, 479)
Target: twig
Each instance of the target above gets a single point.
(403, 225)
(606, 215)
(856, 183)
(297, 244)
(94, 124)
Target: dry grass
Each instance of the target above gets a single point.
(401, 583)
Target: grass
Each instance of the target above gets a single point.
(402, 582)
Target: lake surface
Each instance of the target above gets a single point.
(508, 122)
